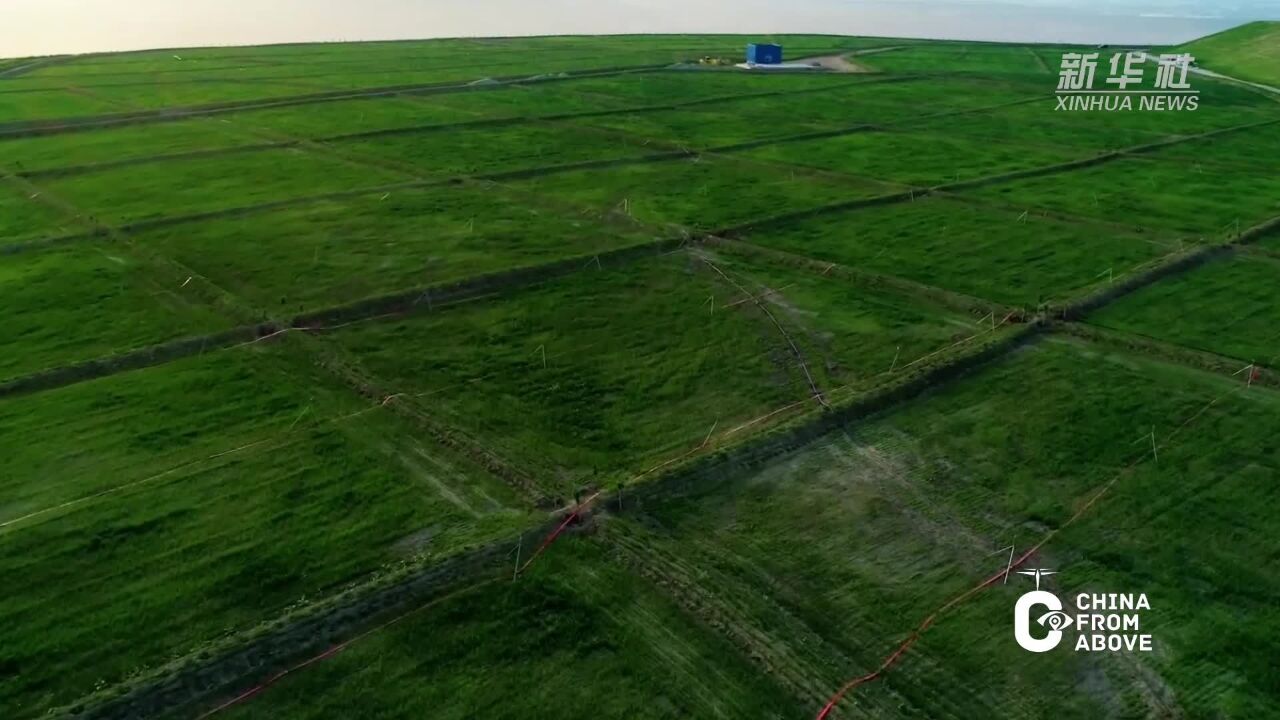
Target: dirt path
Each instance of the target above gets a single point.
(25, 68)
(1209, 73)
(836, 63)
(843, 64)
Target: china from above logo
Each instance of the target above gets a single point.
(1103, 622)
(1170, 90)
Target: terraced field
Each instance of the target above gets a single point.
(562, 377)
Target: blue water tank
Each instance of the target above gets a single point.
(761, 54)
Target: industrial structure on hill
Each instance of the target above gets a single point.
(762, 54)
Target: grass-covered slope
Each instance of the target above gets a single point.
(1249, 52)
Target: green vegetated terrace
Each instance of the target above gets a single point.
(75, 303)
(700, 193)
(201, 498)
(1002, 254)
(322, 254)
(1154, 194)
(147, 514)
(818, 565)
(21, 218)
(1227, 307)
(833, 555)
(181, 187)
(599, 376)
(580, 638)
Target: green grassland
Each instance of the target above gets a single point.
(672, 87)
(840, 106)
(126, 98)
(23, 219)
(174, 512)
(187, 186)
(338, 251)
(936, 158)
(581, 638)
(818, 565)
(1156, 195)
(640, 364)
(479, 151)
(118, 145)
(974, 58)
(201, 498)
(43, 104)
(1250, 52)
(866, 534)
(197, 77)
(1253, 149)
(702, 193)
(73, 304)
(989, 252)
(888, 99)
(1228, 307)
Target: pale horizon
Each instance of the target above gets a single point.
(51, 27)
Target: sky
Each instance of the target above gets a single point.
(43, 27)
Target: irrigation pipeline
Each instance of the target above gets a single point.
(551, 537)
(893, 658)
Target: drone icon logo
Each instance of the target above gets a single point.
(1054, 619)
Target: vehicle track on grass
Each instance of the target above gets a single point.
(770, 648)
(27, 68)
